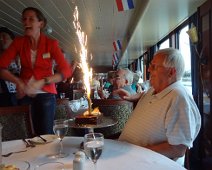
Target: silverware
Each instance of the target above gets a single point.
(10, 153)
(28, 143)
(42, 138)
(31, 143)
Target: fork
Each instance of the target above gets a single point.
(28, 143)
(10, 153)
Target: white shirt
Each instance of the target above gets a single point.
(170, 115)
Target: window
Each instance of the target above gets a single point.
(164, 44)
(184, 48)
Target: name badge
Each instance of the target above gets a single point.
(46, 55)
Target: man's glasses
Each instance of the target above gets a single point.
(155, 67)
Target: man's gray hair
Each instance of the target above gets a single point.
(128, 75)
(173, 58)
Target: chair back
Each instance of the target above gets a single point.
(16, 122)
(117, 109)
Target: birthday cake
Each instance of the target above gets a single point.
(86, 118)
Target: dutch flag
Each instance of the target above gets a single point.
(124, 5)
(117, 45)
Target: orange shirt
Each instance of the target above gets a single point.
(48, 51)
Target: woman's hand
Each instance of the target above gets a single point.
(33, 86)
(20, 89)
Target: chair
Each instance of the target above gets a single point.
(117, 109)
(16, 122)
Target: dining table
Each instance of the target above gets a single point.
(116, 155)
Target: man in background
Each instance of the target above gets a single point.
(123, 80)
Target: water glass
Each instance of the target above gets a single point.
(93, 146)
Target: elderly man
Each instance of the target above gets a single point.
(166, 118)
(123, 80)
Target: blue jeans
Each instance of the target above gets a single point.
(43, 111)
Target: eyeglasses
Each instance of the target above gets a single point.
(117, 77)
(155, 67)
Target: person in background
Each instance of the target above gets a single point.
(166, 118)
(110, 79)
(136, 86)
(8, 89)
(123, 81)
(139, 73)
(36, 84)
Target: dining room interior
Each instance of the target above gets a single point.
(109, 35)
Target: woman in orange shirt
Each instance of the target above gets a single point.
(36, 84)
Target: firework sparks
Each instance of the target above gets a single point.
(87, 73)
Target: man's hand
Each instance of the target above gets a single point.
(122, 93)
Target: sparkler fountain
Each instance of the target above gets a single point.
(87, 73)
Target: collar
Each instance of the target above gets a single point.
(167, 90)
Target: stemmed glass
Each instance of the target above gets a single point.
(60, 129)
(93, 146)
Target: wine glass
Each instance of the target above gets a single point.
(93, 146)
(60, 129)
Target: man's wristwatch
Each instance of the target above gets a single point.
(46, 81)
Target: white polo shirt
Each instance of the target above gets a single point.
(170, 115)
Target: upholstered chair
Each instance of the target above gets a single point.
(118, 109)
(16, 122)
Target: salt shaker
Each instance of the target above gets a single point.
(79, 161)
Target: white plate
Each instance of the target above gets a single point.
(49, 138)
(50, 166)
(22, 165)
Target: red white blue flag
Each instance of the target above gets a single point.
(124, 5)
(117, 45)
(115, 58)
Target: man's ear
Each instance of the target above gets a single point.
(126, 81)
(172, 72)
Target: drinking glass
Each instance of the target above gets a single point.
(93, 146)
(62, 95)
(74, 105)
(60, 129)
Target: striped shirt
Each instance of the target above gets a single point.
(170, 115)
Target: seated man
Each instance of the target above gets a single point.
(123, 80)
(166, 118)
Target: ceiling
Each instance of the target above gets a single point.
(137, 29)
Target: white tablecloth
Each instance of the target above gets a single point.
(116, 155)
